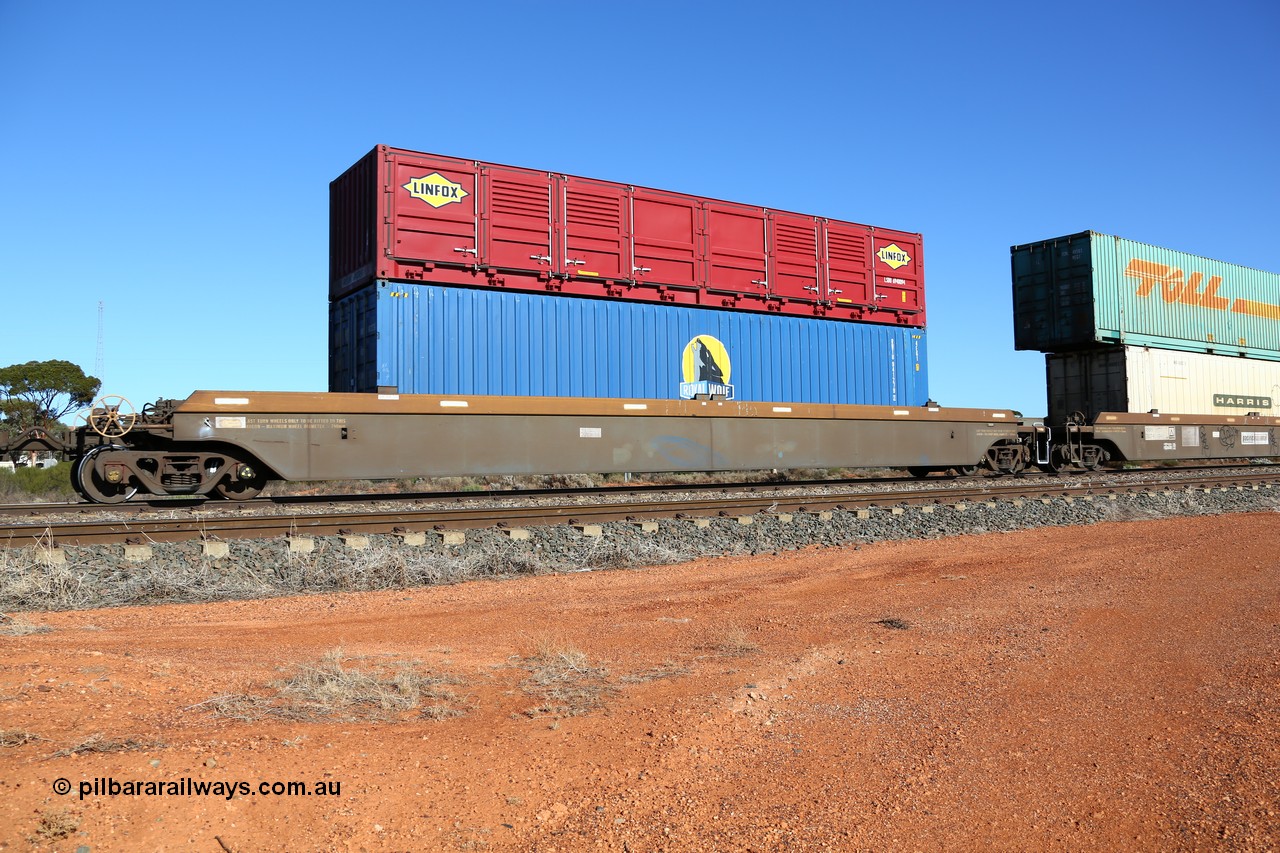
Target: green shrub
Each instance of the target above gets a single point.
(37, 483)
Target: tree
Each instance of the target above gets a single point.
(39, 393)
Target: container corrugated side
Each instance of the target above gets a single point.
(427, 339)
(1139, 379)
(1078, 291)
(424, 218)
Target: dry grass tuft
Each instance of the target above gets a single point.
(564, 681)
(54, 825)
(20, 626)
(668, 669)
(733, 642)
(347, 688)
(101, 743)
(16, 737)
(612, 553)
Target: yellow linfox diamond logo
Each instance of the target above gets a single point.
(436, 190)
(893, 256)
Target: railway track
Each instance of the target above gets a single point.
(143, 529)
(144, 505)
(153, 505)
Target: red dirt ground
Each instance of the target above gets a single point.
(1105, 688)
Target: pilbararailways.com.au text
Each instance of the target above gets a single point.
(187, 787)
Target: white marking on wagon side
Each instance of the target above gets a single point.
(997, 414)
(388, 396)
(229, 423)
(231, 401)
(590, 432)
(635, 406)
(457, 404)
(901, 412)
(782, 408)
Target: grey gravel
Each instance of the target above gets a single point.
(99, 576)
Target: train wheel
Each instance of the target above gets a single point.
(93, 488)
(1093, 458)
(966, 471)
(918, 472)
(242, 484)
(1057, 462)
(237, 490)
(1015, 467)
(75, 478)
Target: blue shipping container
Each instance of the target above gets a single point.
(424, 339)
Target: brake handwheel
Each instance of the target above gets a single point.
(112, 416)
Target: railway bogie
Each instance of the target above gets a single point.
(1008, 457)
(111, 470)
(1153, 437)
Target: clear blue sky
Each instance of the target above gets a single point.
(173, 160)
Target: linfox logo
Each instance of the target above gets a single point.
(893, 256)
(436, 190)
(1175, 286)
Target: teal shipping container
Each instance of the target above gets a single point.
(1085, 290)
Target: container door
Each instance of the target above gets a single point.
(593, 227)
(1053, 294)
(848, 254)
(736, 249)
(433, 207)
(898, 271)
(516, 219)
(665, 230)
(793, 257)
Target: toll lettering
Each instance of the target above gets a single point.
(1176, 286)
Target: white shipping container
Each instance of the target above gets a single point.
(1139, 379)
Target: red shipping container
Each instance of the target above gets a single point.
(401, 215)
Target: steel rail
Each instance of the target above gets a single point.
(145, 504)
(145, 530)
(152, 504)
